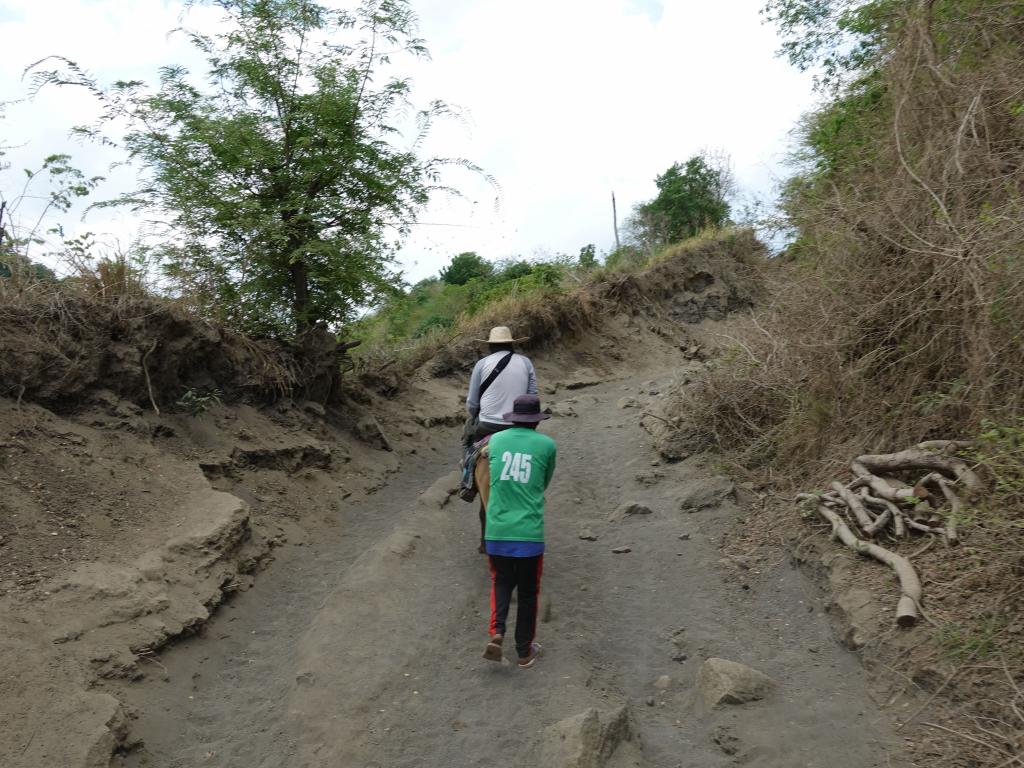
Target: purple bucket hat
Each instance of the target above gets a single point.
(525, 409)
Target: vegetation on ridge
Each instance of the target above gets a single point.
(281, 183)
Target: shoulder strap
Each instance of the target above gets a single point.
(494, 373)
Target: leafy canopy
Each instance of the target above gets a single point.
(280, 179)
(691, 197)
(465, 267)
(839, 38)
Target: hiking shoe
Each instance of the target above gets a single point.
(467, 494)
(493, 650)
(525, 662)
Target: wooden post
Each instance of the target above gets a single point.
(615, 222)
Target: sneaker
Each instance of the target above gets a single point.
(527, 661)
(467, 494)
(493, 650)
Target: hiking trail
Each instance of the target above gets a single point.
(363, 648)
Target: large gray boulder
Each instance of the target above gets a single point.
(728, 682)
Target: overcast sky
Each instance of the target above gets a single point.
(565, 100)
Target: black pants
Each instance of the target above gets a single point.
(508, 574)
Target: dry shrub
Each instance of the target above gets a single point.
(896, 317)
(62, 342)
(549, 318)
(899, 312)
(545, 318)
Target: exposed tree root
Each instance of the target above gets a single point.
(856, 506)
(910, 584)
(880, 500)
(916, 458)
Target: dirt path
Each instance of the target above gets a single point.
(363, 649)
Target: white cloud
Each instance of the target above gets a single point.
(566, 101)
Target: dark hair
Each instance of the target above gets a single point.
(500, 346)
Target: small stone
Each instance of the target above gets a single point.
(706, 492)
(630, 509)
(621, 550)
(649, 477)
(628, 402)
(726, 682)
(315, 408)
(577, 500)
(684, 537)
(588, 535)
(680, 657)
(650, 701)
(663, 682)
(813, 649)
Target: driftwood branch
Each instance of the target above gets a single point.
(944, 446)
(879, 486)
(916, 458)
(955, 510)
(855, 504)
(880, 500)
(883, 519)
(910, 584)
(895, 513)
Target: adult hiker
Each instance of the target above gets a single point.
(521, 462)
(497, 379)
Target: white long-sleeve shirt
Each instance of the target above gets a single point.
(518, 378)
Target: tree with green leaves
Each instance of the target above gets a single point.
(465, 267)
(838, 38)
(692, 196)
(26, 210)
(281, 180)
(588, 256)
(513, 269)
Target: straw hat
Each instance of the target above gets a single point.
(500, 334)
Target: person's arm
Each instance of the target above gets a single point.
(551, 466)
(531, 383)
(473, 399)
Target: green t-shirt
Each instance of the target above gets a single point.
(522, 464)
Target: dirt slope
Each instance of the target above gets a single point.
(122, 532)
(375, 661)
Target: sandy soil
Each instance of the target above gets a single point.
(272, 589)
(362, 648)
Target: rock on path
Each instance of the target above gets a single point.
(630, 509)
(728, 682)
(706, 492)
(591, 739)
